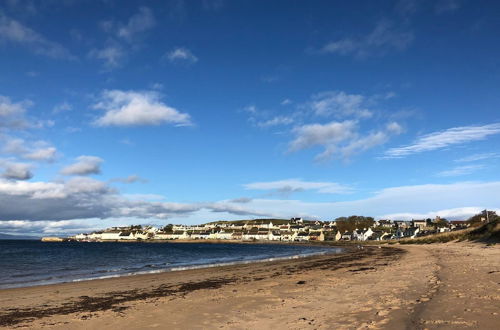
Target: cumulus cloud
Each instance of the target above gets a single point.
(386, 36)
(444, 139)
(47, 154)
(85, 165)
(12, 114)
(340, 104)
(13, 145)
(181, 54)
(323, 134)
(33, 150)
(16, 171)
(296, 185)
(133, 108)
(14, 32)
(340, 139)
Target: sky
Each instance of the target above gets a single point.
(154, 112)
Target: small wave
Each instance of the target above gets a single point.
(201, 266)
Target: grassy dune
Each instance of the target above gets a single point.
(489, 233)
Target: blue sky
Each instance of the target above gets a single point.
(119, 112)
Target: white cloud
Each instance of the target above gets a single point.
(140, 22)
(14, 32)
(251, 109)
(145, 197)
(318, 134)
(461, 170)
(384, 37)
(37, 150)
(297, 185)
(286, 102)
(395, 128)
(13, 145)
(181, 54)
(359, 144)
(446, 138)
(133, 108)
(85, 165)
(46, 227)
(12, 114)
(417, 199)
(61, 107)
(112, 55)
(339, 104)
(480, 156)
(86, 198)
(462, 213)
(339, 138)
(47, 154)
(115, 50)
(130, 179)
(276, 121)
(16, 171)
(241, 200)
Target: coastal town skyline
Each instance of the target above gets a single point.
(191, 112)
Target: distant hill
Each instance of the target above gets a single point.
(8, 236)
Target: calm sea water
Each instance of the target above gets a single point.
(27, 263)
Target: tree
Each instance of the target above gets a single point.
(354, 222)
(440, 223)
(480, 217)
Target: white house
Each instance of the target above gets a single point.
(302, 236)
(111, 235)
(82, 237)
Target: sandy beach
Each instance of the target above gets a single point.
(437, 286)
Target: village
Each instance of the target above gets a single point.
(354, 228)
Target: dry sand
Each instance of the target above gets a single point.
(438, 286)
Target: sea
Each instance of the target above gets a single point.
(28, 262)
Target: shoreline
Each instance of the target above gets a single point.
(139, 291)
(393, 287)
(180, 268)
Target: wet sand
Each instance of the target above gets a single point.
(445, 286)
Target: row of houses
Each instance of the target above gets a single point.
(295, 229)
